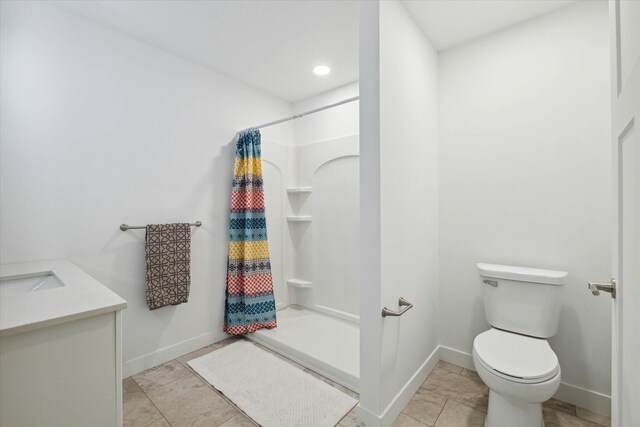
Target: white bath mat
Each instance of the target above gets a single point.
(271, 391)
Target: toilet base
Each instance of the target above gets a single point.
(504, 412)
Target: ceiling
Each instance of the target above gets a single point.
(271, 45)
(448, 23)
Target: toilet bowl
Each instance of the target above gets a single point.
(521, 373)
(514, 359)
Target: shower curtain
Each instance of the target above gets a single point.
(250, 304)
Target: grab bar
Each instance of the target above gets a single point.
(402, 303)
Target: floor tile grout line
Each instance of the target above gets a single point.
(201, 380)
(475, 408)
(440, 413)
(191, 371)
(155, 406)
(208, 384)
(584, 419)
(562, 410)
(226, 399)
(425, 424)
(159, 387)
(162, 418)
(150, 400)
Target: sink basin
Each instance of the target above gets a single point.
(40, 294)
(18, 285)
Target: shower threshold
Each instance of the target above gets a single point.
(322, 343)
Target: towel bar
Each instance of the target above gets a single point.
(125, 227)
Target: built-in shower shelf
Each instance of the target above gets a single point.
(299, 283)
(299, 189)
(299, 218)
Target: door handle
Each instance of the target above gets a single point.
(402, 302)
(596, 287)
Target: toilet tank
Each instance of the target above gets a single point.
(523, 300)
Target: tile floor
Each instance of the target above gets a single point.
(173, 395)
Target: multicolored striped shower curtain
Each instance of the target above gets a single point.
(250, 304)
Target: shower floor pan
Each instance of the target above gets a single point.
(322, 343)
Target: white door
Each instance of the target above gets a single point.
(625, 76)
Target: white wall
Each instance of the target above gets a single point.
(369, 406)
(409, 193)
(100, 129)
(333, 123)
(407, 165)
(525, 176)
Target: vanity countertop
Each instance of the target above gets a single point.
(81, 296)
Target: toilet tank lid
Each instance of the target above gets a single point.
(523, 274)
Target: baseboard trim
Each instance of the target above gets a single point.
(405, 394)
(149, 360)
(588, 399)
(456, 357)
(367, 418)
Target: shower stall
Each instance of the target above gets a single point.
(312, 207)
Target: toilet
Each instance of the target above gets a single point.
(513, 358)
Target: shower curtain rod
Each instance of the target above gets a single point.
(297, 116)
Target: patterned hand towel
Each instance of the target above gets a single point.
(168, 259)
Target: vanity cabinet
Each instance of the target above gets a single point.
(63, 368)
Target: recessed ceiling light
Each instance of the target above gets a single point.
(321, 70)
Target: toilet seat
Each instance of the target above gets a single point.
(515, 357)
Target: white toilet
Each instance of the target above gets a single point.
(513, 358)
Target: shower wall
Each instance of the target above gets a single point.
(316, 177)
(329, 243)
(277, 170)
